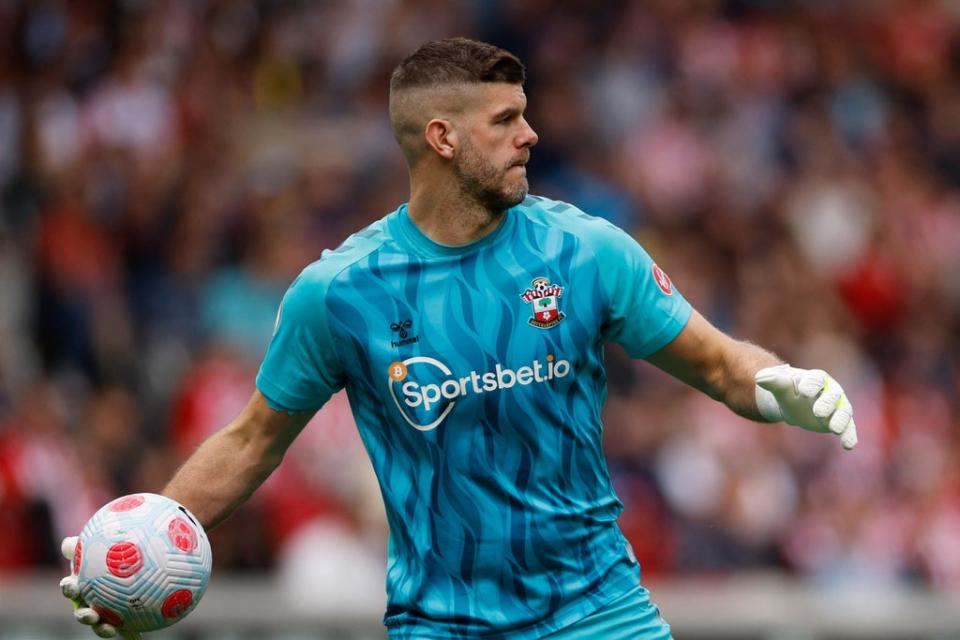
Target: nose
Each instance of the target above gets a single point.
(528, 137)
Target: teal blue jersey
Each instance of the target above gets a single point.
(476, 378)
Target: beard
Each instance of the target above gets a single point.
(487, 184)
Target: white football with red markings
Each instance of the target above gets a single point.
(143, 562)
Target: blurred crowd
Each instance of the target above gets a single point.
(168, 167)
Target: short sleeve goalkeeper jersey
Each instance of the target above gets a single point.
(476, 378)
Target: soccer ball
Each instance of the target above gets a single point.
(142, 562)
(540, 286)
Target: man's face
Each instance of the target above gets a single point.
(491, 157)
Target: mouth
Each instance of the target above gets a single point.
(521, 162)
(518, 171)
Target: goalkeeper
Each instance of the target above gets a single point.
(482, 417)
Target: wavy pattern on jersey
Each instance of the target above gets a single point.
(502, 518)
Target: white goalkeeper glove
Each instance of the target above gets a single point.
(808, 398)
(70, 586)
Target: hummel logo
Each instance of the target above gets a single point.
(401, 329)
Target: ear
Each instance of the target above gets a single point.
(442, 137)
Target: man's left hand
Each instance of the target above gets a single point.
(808, 398)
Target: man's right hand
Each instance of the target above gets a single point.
(70, 586)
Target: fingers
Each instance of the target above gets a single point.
(812, 382)
(841, 423)
(86, 615)
(70, 587)
(841, 417)
(832, 404)
(775, 379)
(829, 400)
(849, 436)
(69, 546)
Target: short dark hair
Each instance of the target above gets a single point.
(454, 61)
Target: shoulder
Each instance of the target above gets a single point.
(315, 281)
(321, 274)
(596, 232)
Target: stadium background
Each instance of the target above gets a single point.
(166, 168)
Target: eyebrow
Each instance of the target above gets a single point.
(508, 111)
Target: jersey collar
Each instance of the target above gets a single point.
(409, 234)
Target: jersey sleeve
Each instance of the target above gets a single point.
(645, 311)
(301, 369)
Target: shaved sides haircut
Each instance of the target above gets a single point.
(457, 60)
(432, 82)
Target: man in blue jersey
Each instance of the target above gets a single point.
(468, 328)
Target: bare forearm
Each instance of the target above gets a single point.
(723, 368)
(220, 475)
(727, 370)
(226, 469)
(733, 382)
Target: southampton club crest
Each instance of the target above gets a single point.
(544, 298)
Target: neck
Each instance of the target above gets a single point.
(448, 216)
